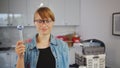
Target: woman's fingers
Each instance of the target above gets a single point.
(20, 48)
(19, 43)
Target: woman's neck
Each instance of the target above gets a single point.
(43, 41)
(43, 38)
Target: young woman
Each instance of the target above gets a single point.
(44, 51)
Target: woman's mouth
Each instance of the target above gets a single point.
(44, 29)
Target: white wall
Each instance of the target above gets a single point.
(96, 22)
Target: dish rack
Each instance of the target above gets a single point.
(91, 55)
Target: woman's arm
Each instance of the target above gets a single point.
(20, 49)
(20, 62)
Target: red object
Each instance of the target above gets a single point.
(63, 38)
(76, 39)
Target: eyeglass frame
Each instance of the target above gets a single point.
(43, 21)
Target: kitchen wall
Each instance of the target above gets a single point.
(96, 22)
(9, 35)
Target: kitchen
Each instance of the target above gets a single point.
(89, 19)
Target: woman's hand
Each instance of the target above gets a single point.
(20, 48)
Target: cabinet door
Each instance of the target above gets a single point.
(32, 6)
(3, 12)
(4, 60)
(57, 6)
(13, 59)
(72, 12)
(17, 12)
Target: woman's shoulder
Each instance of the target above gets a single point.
(56, 40)
(61, 43)
(62, 46)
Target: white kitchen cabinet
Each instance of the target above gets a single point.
(32, 6)
(17, 12)
(57, 6)
(67, 12)
(8, 59)
(13, 61)
(5, 60)
(4, 12)
(13, 12)
(72, 12)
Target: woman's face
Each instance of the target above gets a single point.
(43, 26)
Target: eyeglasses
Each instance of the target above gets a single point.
(43, 21)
